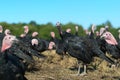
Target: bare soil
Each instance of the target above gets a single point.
(55, 67)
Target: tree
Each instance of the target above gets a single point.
(33, 23)
(108, 23)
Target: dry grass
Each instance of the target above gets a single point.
(54, 67)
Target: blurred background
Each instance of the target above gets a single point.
(42, 15)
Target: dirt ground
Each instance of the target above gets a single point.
(55, 67)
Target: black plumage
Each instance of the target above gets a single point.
(10, 67)
(41, 46)
(83, 49)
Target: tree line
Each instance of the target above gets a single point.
(45, 29)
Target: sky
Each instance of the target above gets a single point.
(83, 12)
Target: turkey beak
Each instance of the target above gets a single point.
(15, 40)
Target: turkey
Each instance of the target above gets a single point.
(22, 51)
(41, 45)
(111, 45)
(60, 46)
(11, 68)
(1, 35)
(82, 48)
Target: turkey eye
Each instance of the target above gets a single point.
(9, 37)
